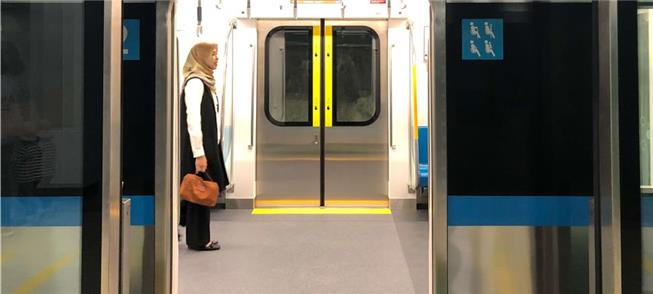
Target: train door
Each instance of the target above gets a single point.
(321, 125)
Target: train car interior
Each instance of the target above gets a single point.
(358, 146)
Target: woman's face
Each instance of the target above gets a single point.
(213, 59)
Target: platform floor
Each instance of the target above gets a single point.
(310, 254)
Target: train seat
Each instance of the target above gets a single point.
(423, 149)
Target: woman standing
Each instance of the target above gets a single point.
(200, 148)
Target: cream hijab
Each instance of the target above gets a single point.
(198, 64)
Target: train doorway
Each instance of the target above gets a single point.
(322, 124)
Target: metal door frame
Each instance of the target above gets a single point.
(111, 147)
(165, 136)
(166, 154)
(437, 127)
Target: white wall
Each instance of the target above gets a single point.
(400, 78)
(216, 26)
(244, 157)
(419, 16)
(399, 36)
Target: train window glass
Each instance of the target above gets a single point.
(46, 118)
(645, 59)
(288, 76)
(645, 65)
(356, 76)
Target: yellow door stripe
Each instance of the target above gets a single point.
(320, 210)
(328, 76)
(316, 75)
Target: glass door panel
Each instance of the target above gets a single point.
(52, 97)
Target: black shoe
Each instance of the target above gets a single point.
(215, 245)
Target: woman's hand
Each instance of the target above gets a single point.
(200, 164)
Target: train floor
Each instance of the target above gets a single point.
(310, 254)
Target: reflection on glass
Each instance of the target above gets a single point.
(289, 66)
(645, 57)
(356, 75)
(42, 98)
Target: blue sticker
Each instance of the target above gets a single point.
(131, 47)
(482, 39)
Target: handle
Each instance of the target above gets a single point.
(199, 29)
(392, 140)
(125, 224)
(316, 141)
(251, 121)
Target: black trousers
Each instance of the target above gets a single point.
(197, 219)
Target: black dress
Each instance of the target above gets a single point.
(196, 217)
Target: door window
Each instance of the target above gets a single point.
(354, 70)
(288, 76)
(356, 76)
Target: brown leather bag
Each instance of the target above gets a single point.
(198, 190)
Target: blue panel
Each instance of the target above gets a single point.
(50, 211)
(423, 155)
(41, 211)
(423, 175)
(518, 210)
(142, 210)
(647, 211)
(423, 145)
(482, 39)
(131, 44)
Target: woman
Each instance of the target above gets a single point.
(201, 151)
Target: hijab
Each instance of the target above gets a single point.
(198, 64)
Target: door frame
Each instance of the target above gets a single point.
(166, 154)
(111, 147)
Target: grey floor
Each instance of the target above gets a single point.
(310, 254)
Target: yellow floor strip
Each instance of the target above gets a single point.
(359, 203)
(7, 257)
(41, 277)
(648, 265)
(320, 210)
(287, 202)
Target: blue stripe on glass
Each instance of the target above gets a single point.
(41, 211)
(647, 211)
(518, 210)
(53, 211)
(142, 210)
